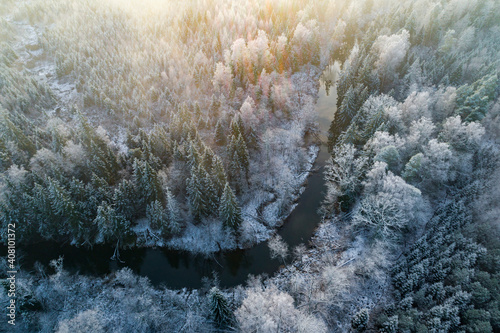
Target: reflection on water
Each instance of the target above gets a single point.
(177, 269)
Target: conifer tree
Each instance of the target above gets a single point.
(243, 155)
(173, 213)
(218, 175)
(219, 309)
(220, 134)
(193, 157)
(196, 196)
(125, 199)
(177, 152)
(239, 162)
(156, 215)
(62, 207)
(229, 211)
(209, 190)
(237, 127)
(85, 207)
(147, 182)
(207, 158)
(347, 109)
(110, 225)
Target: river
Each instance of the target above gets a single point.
(177, 269)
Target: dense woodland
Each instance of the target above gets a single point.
(149, 129)
(161, 124)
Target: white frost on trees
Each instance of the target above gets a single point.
(389, 203)
(270, 310)
(391, 52)
(278, 248)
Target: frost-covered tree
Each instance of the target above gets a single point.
(219, 309)
(343, 175)
(270, 310)
(156, 215)
(278, 248)
(218, 174)
(173, 213)
(220, 134)
(391, 52)
(229, 211)
(146, 180)
(196, 195)
(111, 225)
(389, 204)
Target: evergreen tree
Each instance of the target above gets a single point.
(219, 309)
(85, 207)
(193, 157)
(347, 109)
(125, 199)
(412, 169)
(240, 161)
(111, 226)
(220, 134)
(156, 216)
(173, 213)
(209, 190)
(102, 160)
(218, 175)
(359, 321)
(63, 207)
(178, 152)
(472, 100)
(243, 155)
(196, 196)
(237, 127)
(147, 182)
(229, 211)
(207, 158)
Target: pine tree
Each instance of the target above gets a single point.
(147, 182)
(40, 211)
(252, 138)
(237, 127)
(173, 213)
(125, 199)
(102, 160)
(347, 109)
(193, 157)
(360, 320)
(243, 155)
(209, 190)
(62, 207)
(220, 134)
(156, 216)
(229, 211)
(196, 196)
(178, 152)
(239, 161)
(85, 208)
(207, 158)
(219, 309)
(218, 175)
(12, 132)
(5, 156)
(413, 168)
(111, 226)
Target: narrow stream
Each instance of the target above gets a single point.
(177, 269)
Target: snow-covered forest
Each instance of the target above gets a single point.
(179, 124)
(192, 125)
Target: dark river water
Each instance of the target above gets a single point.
(177, 269)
